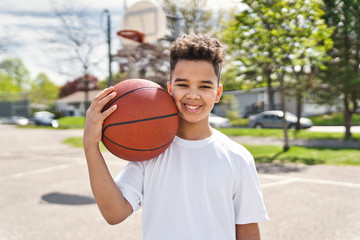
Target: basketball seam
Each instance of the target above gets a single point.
(139, 120)
(134, 90)
(140, 150)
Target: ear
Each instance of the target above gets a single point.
(219, 93)
(169, 87)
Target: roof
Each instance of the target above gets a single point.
(78, 96)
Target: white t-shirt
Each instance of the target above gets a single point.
(195, 190)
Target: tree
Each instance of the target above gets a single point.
(76, 39)
(14, 79)
(342, 78)
(43, 91)
(195, 18)
(16, 70)
(147, 61)
(151, 61)
(270, 38)
(89, 82)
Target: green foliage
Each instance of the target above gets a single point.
(15, 70)
(269, 39)
(342, 78)
(43, 90)
(8, 89)
(14, 79)
(232, 107)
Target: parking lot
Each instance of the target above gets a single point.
(45, 194)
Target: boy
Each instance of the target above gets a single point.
(204, 186)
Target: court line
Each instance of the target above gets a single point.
(75, 161)
(287, 180)
(42, 170)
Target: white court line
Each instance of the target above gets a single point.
(78, 161)
(42, 170)
(288, 180)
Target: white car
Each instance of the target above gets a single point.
(273, 119)
(17, 120)
(218, 122)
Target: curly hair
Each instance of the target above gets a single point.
(197, 47)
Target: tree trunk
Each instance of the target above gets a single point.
(347, 118)
(87, 102)
(269, 91)
(283, 107)
(298, 109)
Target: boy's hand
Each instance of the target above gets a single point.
(95, 118)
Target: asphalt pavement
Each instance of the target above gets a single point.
(45, 194)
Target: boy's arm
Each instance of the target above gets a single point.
(113, 206)
(247, 231)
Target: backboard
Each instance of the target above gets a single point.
(145, 17)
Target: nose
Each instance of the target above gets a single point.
(192, 94)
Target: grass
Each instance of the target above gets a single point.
(305, 155)
(275, 154)
(78, 143)
(279, 133)
(265, 153)
(71, 122)
(334, 119)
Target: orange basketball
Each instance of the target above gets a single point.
(144, 123)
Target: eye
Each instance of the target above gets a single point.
(205, 86)
(181, 85)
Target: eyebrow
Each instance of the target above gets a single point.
(181, 80)
(202, 81)
(207, 82)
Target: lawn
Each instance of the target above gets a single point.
(302, 134)
(269, 154)
(305, 155)
(275, 154)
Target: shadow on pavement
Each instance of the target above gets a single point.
(277, 168)
(67, 199)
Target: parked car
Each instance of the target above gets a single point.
(45, 118)
(273, 119)
(218, 122)
(17, 120)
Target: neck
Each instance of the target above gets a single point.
(194, 131)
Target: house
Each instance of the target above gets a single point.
(255, 100)
(74, 104)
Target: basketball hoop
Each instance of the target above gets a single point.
(132, 35)
(143, 22)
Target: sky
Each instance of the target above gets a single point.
(25, 24)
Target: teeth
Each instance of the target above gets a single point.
(192, 107)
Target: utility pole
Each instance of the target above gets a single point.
(109, 45)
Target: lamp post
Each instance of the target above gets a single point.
(109, 45)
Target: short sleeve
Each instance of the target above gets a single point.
(130, 182)
(248, 201)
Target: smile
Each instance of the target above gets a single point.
(192, 107)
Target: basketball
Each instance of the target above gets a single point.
(144, 123)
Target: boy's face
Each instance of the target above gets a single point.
(195, 89)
